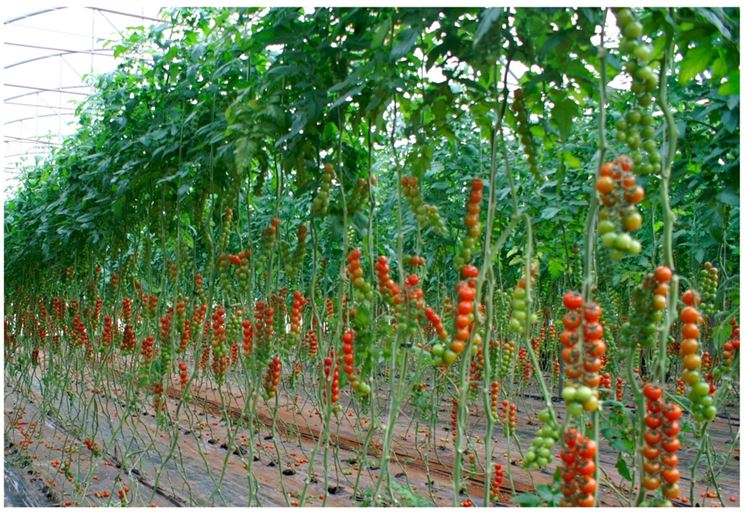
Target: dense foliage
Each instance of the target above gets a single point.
(363, 184)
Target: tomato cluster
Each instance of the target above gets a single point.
(709, 278)
(106, 335)
(425, 214)
(731, 346)
(539, 454)
(271, 379)
(415, 260)
(520, 305)
(244, 275)
(146, 349)
(296, 319)
(225, 229)
(199, 286)
(661, 434)
(648, 303)
(618, 216)
(508, 356)
(356, 274)
(182, 374)
(312, 342)
(220, 358)
(494, 396)
(128, 339)
(387, 286)
(263, 323)
(463, 321)
(577, 470)
(619, 389)
(436, 322)
(583, 361)
(523, 130)
(454, 419)
(295, 264)
(320, 205)
(496, 484)
(348, 351)
(472, 222)
(360, 195)
(699, 392)
(185, 336)
(636, 128)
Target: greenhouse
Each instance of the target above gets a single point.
(388, 256)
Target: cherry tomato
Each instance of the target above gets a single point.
(651, 392)
(572, 300)
(663, 274)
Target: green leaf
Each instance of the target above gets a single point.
(695, 61)
(549, 212)
(488, 17)
(527, 500)
(729, 197)
(623, 468)
(562, 116)
(732, 86)
(571, 160)
(408, 40)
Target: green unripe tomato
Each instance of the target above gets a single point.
(700, 389)
(584, 393)
(575, 409)
(649, 145)
(621, 125)
(637, 157)
(624, 17)
(652, 83)
(706, 401)
(438, 349)
(544, 416)
(646, 119)
(635, 247)
(647, 132)
(633, 116)
(609, 239)
(529, 456)
(449, 357)
(645, 100)
(515, 325)
(605, 226)
(541, 462)
(568, 394)
(533, 317)
(623, 242)
(621, 137)
(632, 30)
(519, 293)
(643, 53)
(615, 255)
(710, 412)
(544, 452)
(548, 442)
(538, 442)
(519, 305)
(628, 46)
(644, 73)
